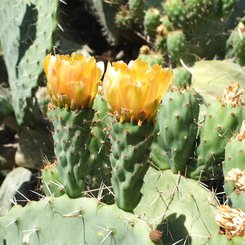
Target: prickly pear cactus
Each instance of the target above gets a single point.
(11, 185)
(77, 221)
(158, 156)
(136, 7)
(99, 147)
(72, 85)
(150, 56)
(25, 39)
(105, 13)
(151, 21)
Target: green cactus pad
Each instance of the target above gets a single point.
(151, 21)
(11, 185)
(182, 78)
(105, 13)
(177, 118)
(176, 11)
(176, 46)
(136, 7)
(223, 240)
(158, 156)
(129, 160)
(234, 155)
(123, 19)
(180, 207)
(210, 77)
(25, 40)
(72, 221)
(237, 200)
(72, 138)
(220, 123)
(152, 58)
(235, 45)
(204, 24)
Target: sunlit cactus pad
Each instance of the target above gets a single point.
(72, 221)
(180, 207)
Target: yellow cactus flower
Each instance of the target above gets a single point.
(134, 91)
(72, 80)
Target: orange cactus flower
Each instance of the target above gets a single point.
(72, 80)
(134, 91)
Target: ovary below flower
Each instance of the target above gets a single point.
(134, 91)
(72, 80)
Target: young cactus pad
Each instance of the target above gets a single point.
(72, 138)
(72, 84)
(235, 151)
(129, 160)
(223, 119)
(133, 93)
(177, 119)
